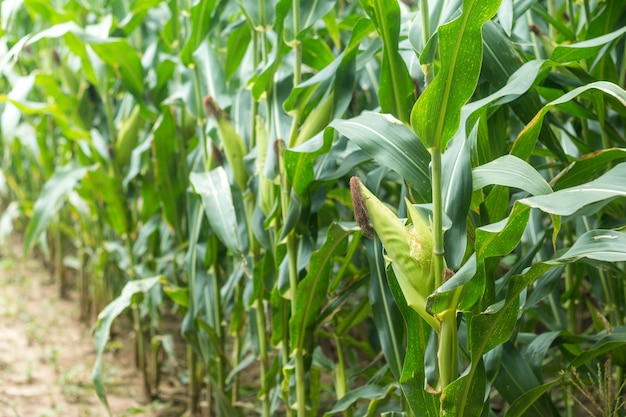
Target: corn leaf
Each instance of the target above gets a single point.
(516, 380)
(587, 166)
(464, 399)
(171, 171)
(528, 398)
(396, 87)
(365, 392)
(214, 190)
(386, 315)
(311, 291)
(103, 327)
(200, 14)
(457, 196)
(421, 402)
(586, 49)
(392, 144)
(500, 238)
(526, 140)
(569, 200)
(599, 245)
(510, 171)
(51, 199)
(436, 114)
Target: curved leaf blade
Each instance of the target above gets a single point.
(214, 189)
(526, 140)
(510, 171)
(569, 200)
(311, 291)
(437, 113)
(392, 144)
(50, 200)
(396, 87)
(599, 245)
(103, 327)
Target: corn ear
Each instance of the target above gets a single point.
(412, 276)
(317, 120)
(127, 138)
(232, 142)
(266, 196)
(421, 247)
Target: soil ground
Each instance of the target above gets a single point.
(46, 353)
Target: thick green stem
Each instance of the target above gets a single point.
(201, 119)
(341, 383)
(285, 353)
(217, 320)
(292, 260)
(58, 263)
(427, 68)
(292, 248)
(140, 344)
(448, 338)
(448, 348)
(263, 357)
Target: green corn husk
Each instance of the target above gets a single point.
(127, 138)
(232, 142)
(406, 246)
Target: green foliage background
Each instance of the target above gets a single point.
(192, 159)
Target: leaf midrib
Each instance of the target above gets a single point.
(448, 82)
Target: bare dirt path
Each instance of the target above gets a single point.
(46, 354)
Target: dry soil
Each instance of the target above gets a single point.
(46, 353)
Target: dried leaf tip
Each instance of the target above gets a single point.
(360, 210)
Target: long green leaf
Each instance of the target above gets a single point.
(103, 327)
(586, 49)
(51, 199)
(526, 140)
(311, 292)
(587, 166)
(421, 402)
(171, 172)
(510, 171)
(599, 245)
(299, 161)
(200, 14)
(396, 87)
(386, 315)
(459, 401)
(457, 196)
(526, 400)
(516, 380)
(214, 189)
(569, 200)
(365, 392)
(436, 115)
(500, 238)
(116, 52)
(500, 62)
(392, 144)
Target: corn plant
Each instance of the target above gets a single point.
(349, 208)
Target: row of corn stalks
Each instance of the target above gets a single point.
(348, 208)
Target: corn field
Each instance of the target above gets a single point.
(331, 207)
